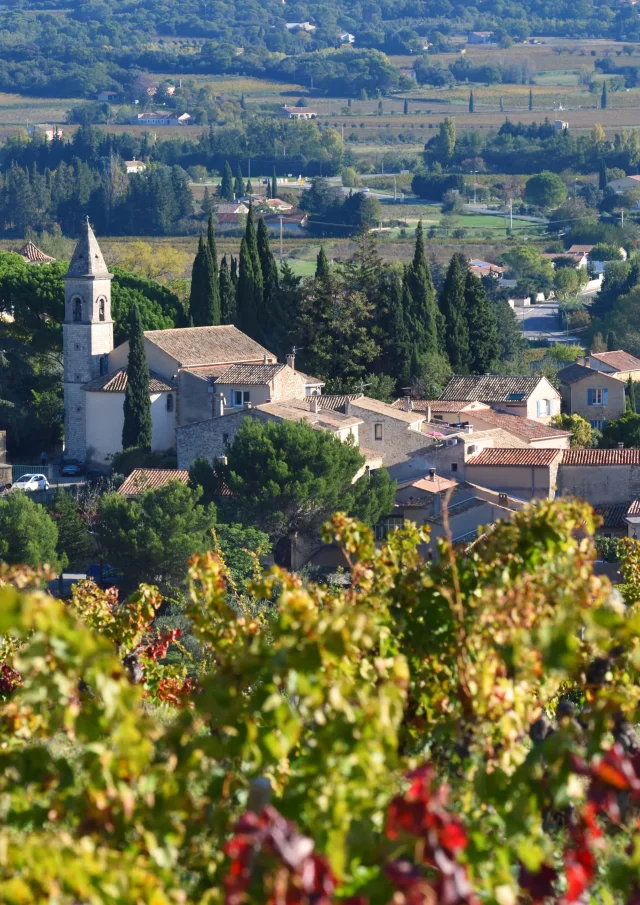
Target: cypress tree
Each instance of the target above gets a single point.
(631, 396)
(274, 184)
(234, 272)
(322, 265)
(246, 313)
(226, 185)
(484, 341)
(212, 248)
(251, 239)
(204, 299)
(501, 105)
(249, 187)
(612, 342)
(453, 309)
(227, 294)
(211, 241)
(397, 348)
(603, 96)
(421, 310)
(472, 105)
(238, 185)
(530, 99)
(268, 192)
(268, 267)
(136, 430)
(406, 107)
(602, 177)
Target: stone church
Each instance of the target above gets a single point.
(196, 373)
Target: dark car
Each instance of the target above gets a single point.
(71, 468)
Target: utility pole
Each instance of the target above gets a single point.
(395, 193)
(343, 132)
(382, 164)
(622, 218)
(510, 213)
(280, 219)
(249, 173)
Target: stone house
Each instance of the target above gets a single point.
(620, 365)
(602, 477)
(527, 397)
(299, 113)
(525, 473)
(594, 395)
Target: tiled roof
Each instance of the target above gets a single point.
(601, 457)
(620, 361)
(520, 456)
(612, 516)
(208, 345)
(490, 388)
(574, 373)
(249, 374)
(581, 249)
(525, 428)
(455, 509)
(299, 410)
(143, 479)
(440, 405)
(383, 408)
(336, 402)
(634, 509)
(437, 484)
(87, 259)
(32, 254)
(117, 383)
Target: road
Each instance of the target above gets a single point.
(541, 322)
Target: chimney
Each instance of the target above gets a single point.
(428, 413)
(468, 428)
(432, 474)
(291, 360)
(247, 405)
(347, 406)
(221, 460)
(407, 405)
(265, 359)
(620, 445)
(313, 405)
(218, 405)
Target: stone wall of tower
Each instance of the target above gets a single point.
(86, 345)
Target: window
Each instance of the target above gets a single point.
(169, 402)
(597, 396)
(377, 431)
(597, 424)
(454, 467)
(101, 309)
(544, 407)
(387, 526)
(77, 309)
(225, 439)
(240, 397)
(103, 365)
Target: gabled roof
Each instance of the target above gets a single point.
(581, 249)
(142, 479)
(117, 383)
(442, 405)
(384, 409)
(298, 410)
(601, 457)
(334, 403)
(437, 484)
(612, 516)
(87, 260)
(32, 254)
(522, 456)
(574, 373)
(249, 374)
(490, 388)
(619, 360)
(191, 346)
(525, 428)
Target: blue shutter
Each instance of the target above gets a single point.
(605, 394)
(589, 397)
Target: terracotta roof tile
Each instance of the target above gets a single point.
(142, 479)
(490, 388)
(117, 383)
(32, 254)
(522, 456)
(634, 509)
(601, 457)
(383, 408)
(619, 360)
(249, 374)
(191, 346)
(522, 427)
(440, 405)
(336, 402)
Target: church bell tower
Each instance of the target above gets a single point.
(87, 335)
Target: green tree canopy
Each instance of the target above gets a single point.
(74, 543)
(545, 190)
(136, 430)
(28, 534)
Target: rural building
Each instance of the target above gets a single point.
(45, 131)
(300, 26)
(528, 397)
(33, 255)
(560, 125)
(595, 396)
(525, 473)
(624, 184)
(620, 365)
(346, 38)
(109, 97)
(142, 479)
(486, 269)
(135, 166)
(299, 113)
(480, 37)
(161, 119)
(603, 477)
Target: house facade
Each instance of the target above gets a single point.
(594, 395)
(600, 476)
(528, 397)
(619, 364)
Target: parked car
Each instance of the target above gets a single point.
(31, 483)
(71, 467)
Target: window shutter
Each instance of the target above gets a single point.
(539, 408)
(589, 397)
(605, 394)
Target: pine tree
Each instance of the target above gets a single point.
(274, 184)
(269, 270)
(251, 239)
(238, 185)
(530, 99)
(602, 178)
(603, 96)
(246, 314)
(453, 309)
(204, 299)
(471, 103)
(322, 265)
(631, 396)
(136, 430)
(226, 185)
(484, 341)
(227, 294)
(406, 107)
(421, 312)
